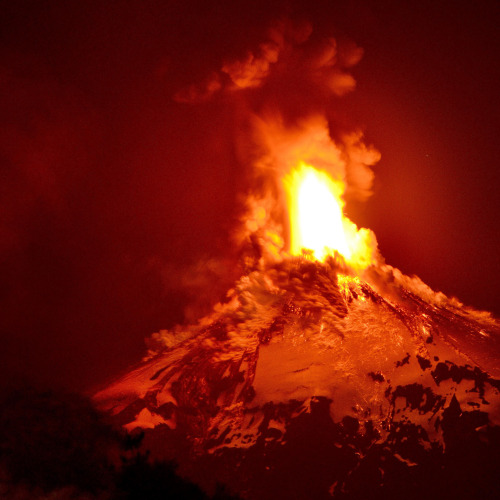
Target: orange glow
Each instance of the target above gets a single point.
(317, 223)
(315, 213)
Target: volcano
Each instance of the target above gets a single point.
(309, 382)
(324, 372)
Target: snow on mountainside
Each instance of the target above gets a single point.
(308, 382)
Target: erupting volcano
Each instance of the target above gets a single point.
(325, 372)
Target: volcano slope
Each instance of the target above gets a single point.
(309, 382)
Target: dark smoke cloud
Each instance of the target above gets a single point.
(295, 68)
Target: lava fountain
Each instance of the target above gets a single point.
(318, 225)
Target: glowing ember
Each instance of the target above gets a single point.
(317, 223)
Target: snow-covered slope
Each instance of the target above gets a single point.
(309, 382)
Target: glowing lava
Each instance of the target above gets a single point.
(317, 223)
(315, 213)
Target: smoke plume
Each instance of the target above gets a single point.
(279, 90)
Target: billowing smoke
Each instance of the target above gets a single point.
(279, 91)
(288, 62)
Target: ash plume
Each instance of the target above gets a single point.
(278, 91)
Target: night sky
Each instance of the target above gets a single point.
(117, 201)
